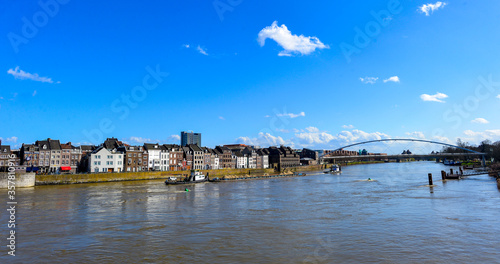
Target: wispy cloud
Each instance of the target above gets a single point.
(392, 79)
(291, 115)
(10, 139)
(476, 137)
(186, 46)
(480, 120)
(22, 75)
(498, 96)
(263, 140)
(434, 98)
(173, 138)
(140, 140)
(430, 8)
(348, 126)
(416, 134)
(292, 44)
(201, 50)
(34, 93)
(370, 80)
(221, 118)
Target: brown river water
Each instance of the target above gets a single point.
(318, 218)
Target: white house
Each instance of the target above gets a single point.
(103, 160)
(164, 158)
(241, 160)
(214, 160)
(154, 156)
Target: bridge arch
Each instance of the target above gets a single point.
(410, 140)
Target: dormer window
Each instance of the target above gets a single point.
(44, 146)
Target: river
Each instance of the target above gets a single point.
(318, 218)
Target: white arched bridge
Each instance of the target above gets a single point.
(466, 152)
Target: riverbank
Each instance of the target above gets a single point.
(21, 180)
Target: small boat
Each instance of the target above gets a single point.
(333, 169)
(195, 177)
(214, 180)
(453, 176)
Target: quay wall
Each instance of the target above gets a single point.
(146, 175)
(22, 180)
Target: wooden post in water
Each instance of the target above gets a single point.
(430, 179)
(461, 171)
(443, 175)
(451, 171)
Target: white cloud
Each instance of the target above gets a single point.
(186, 46)
(221, 118)
(321, 139)
(370, 80)
(174, 138)
(34, 93)
(416, 135)
(477, 137)
(498, 96)
(292, 115)
(201, 50)
(263, 140)
(10, 139)
(430, 8)
(348, 126)
(442, 139)
(22, 75)
(283, 130)
(292, 44)
(139, 140)
(392, 79)
(434, 98)
(480, 120)
(267, 116)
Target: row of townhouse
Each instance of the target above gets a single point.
(50, 156)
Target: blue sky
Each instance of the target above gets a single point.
(324, 74)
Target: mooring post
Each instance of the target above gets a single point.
(461, 171)
(451, 171)
(430, 179)
(443, 175)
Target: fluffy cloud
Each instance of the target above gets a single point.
(430, 8)
(173, 138)
(480, 120)
(392, 79)
(348, 126)
(370, 80)
(10, 139)
(292, 115)
(22, 75)
(292, 44)
(139, 140)
(263, 140)
(201, 50)
(475, 137)
(416, 135)
(498, 96)
(434, 98)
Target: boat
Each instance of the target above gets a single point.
(333, 169)
(453, 176)
(195, 177)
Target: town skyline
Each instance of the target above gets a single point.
(307, 76)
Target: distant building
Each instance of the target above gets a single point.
(135, 158)
(188, 138)
(104, 160)
(4, 157)
(308, 153)
(283, 157)
(30, 155)
(198, 157)
(225, 158)
(176, 157)
(154, 156)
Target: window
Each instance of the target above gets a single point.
(95, 163)
(130, 155)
